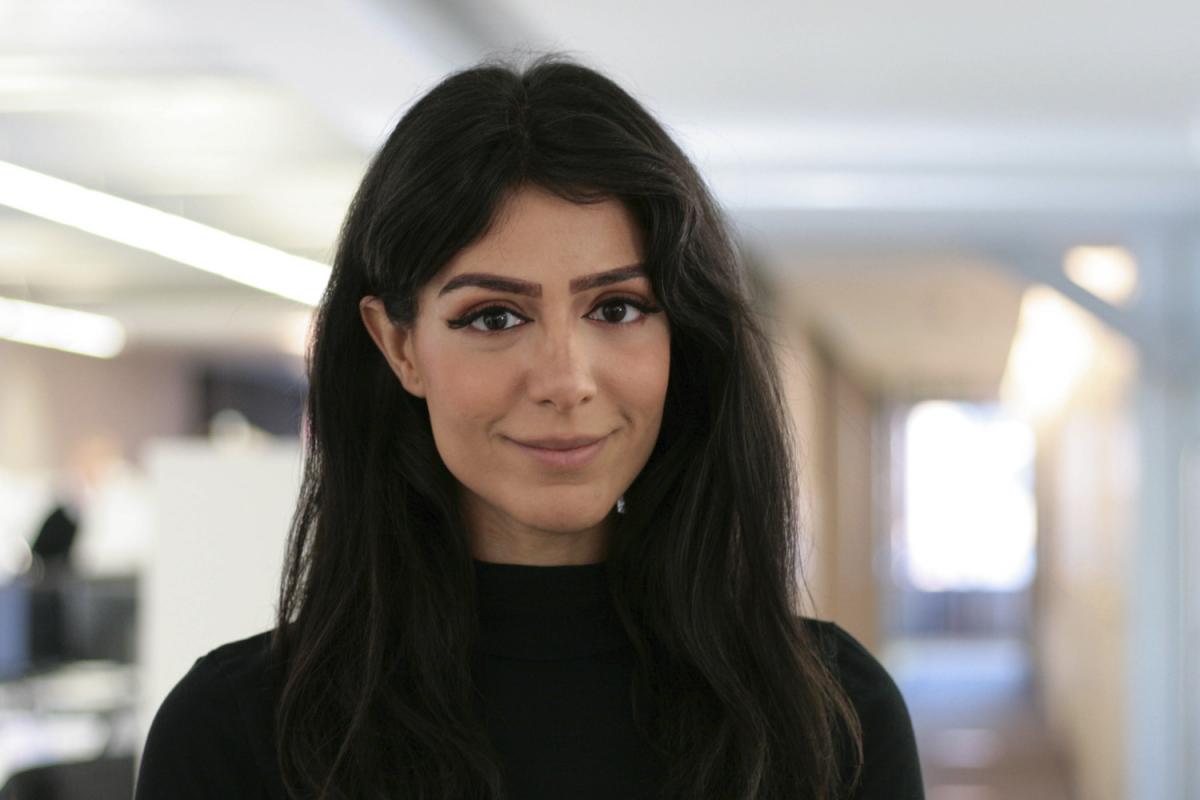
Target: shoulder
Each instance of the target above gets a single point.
(233, 675)
(862, 675)
(210, 736)
(891, 767)
(242, 663)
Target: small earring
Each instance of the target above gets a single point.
(621, 504)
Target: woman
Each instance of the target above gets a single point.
(546, 541)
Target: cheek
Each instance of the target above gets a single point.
(465, 394)
(461, 379)
(642, 375)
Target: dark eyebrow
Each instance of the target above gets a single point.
(499, 283)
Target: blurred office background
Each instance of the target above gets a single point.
(974, 226)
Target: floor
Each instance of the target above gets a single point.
(978, 733)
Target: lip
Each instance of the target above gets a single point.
(568, 458)
(559, 442)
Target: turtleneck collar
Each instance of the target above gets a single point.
(546, 612)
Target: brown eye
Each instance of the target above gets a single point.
(495, 315)
(488, 314)
(620, 307)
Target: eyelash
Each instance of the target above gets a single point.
(467, 319)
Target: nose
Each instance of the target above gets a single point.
(561, 374)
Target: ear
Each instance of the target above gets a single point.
(395, 343)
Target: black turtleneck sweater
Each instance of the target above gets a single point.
(554, 668)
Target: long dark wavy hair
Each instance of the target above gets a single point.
(377, 610)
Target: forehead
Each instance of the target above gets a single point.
(538, 235)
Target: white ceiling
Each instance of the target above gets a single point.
(1024, 60)
(915, 325)
(823, 127)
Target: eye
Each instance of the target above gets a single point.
(495, 312)
(625, 302)
(486, 313)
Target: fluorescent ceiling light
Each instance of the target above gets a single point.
(1110, 273)
(167, 235)
(60, 328)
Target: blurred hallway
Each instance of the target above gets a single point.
(978, 728)
(974, 514)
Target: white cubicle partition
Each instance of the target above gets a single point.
(221, 518)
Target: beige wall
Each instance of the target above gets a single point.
(857, 586)
(50, 399)
(1087, 510)
(833, 418)
(802, 375)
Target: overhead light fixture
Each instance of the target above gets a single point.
(1110, 273)
(1051, 352)
(179, 239)
(60, 328)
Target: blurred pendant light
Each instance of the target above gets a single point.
(1110, 273)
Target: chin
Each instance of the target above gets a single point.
(556, 520)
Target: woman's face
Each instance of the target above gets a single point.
(558, 352)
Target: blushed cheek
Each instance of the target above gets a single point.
(466, 381)
(645, 375)
(478, 394)
(464, 396)
(658, 360)
(464, 444)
